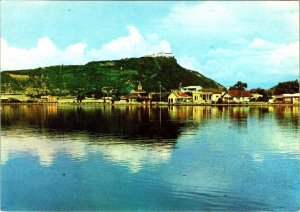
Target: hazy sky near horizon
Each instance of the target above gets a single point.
(254, 42)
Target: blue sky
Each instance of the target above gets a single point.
(254, 42)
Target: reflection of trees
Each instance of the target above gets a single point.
(125, 121)
(287, 116)
(137, 121)
(239, 115)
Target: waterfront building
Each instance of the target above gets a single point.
(202, 96)
(179, 97)
(52, 99)
(237, 96)
(138, 95)
(287, 98)
(207, 95)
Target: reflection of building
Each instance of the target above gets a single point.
(180, 112)
(287, 98)
(201, 112)
(179, 97)
(51, 110)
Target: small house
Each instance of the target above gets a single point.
(237, 96)
(179, 97)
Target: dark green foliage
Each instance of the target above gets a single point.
(239, 85)
(121, 76)
(286, 87)
(266, 95)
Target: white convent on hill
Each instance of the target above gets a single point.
(160, 54)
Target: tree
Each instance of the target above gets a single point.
(286, 87)
(108, 91)
(265, 95)
(239, 86)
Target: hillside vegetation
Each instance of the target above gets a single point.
(286, 87)
(119, 77)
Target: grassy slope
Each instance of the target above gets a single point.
(92, 77)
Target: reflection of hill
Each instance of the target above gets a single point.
(130, 122)
(125, 122)
(150, 133)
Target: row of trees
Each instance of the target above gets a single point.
(280, 88)
(286, 87)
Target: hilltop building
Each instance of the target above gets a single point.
(161, 54)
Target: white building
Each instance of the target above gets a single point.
(191, 89)
(161, 54)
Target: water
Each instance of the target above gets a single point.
(149, 158)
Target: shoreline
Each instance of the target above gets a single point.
(142, 104)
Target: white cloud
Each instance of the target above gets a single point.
(204, 16)
(132, 45)
(222, 20)
(259, 61)
(46, 53)
(282, 5)
(189, 62)
(259, 43)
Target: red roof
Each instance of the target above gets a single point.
(139, 91)
(239, 93)
(182, 94)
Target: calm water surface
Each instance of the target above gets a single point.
(150, 158)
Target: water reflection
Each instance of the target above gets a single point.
(116, 125)
(48, 147)
(126, 122)
(190, 158)
(21, 142)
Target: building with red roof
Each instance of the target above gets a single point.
(179, 97)
(138, 95)
(237, 96)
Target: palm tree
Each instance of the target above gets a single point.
(240, 85)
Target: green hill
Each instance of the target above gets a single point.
(285, 87)
(119, 76)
